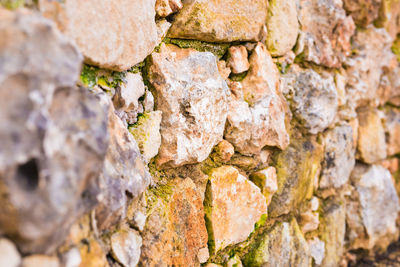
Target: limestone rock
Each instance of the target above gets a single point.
(175, 230)
(266, 180)
(339, 157)
(125, 246)
(296, 167)
(165, 8)
(284, 245)
(124, 172)
(233, 205)
(40, 260)
(371, 136)
(364, 12)
(326, 32)
(283, 27)
(9, 255)
(193, 99)
(100, 29)
(392, 128)
(147, 133)
(93, 255)
(372, 209)
(313, 98)
(237, 59)
(220, 21)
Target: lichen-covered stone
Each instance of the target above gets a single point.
(339, 156)
(175, 230)
(313, 98)
(372, 208)
(220, 21)
(99, 28)
(392, 129)
(371, 136)
(147, 133)
(233, 205)
(125, 246)
(326, 32)
(364, 12)
(9, 255)
(284, 245)
(297, 167)
(193, 99)
(282, 26)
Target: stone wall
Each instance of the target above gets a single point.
(198, 132)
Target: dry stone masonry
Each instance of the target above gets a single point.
(214, 133)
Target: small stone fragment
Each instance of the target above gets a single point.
(9, 255)
(139, 220)
(237, 59)
(317, 250)
(364, 12)
(234, 262)
(282, 25)
(371, 136)
(93, 255)
(266, 180)
(220, 21)
(203, 255)
(314, 98)
(233, 205)
(389, 17)
(309, 221)
(165, 8)
(162, 29)
(224, 151)
(40, 260)
(148, 102)
(392, 129)
(125, 247)
(193, 99)
(72, 258)
(223, 69)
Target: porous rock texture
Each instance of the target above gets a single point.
(199, 133)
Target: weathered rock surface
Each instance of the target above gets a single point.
(125, 246)
(313, 98)
(392, 129)
(282, 26)
(326, 32)
(9, 255)
(193, 98)
(297, 167)
(372, 209)
(167, 7)
(237, 59)
(115, 36)
(220, 21)
(266, 180)
(283, 245)
(339, 156)
(175, 230)
(389, 17)
(371, 136)
(233, 205)
(223, 151)
(364, 12)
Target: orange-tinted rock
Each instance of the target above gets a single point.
(233, 205)
(167, 7)
(237, 59)
(93, 255)
(364, 12)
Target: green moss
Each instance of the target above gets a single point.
(12, 4)
(218, 49)
(92, 76)
(283, 68)
(396, 48)
(207, 211)
(238, 77)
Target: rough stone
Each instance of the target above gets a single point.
(326, 32)
(175, 230)
(282, 26)
(99, 29)
(283, 245)
(313, 98)
(9, 255)
(40, 260)
(339, 157)
(147, 133)
(369, 224)
(389, 17)
(125, 247)
(237, 59)
(266, 180)
(392, 129)
(224, 70)
(93, 255)
(165, 8)
(224, 151)
(193, 98)
(233, 205)
(220, 21)
(317, 250)
(309, 221)
(363, 12)
(371, 136)
(296, 167)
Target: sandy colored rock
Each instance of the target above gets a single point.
(220, 21)
(283, 245)
(175, 230)
(224, 151)
(369, 224)
(364, 12)
(297, 167)
(147, 133)
(223, 69)
(237, 59)
(309, 221)
(266, 180)
(125, 246)
(165, 8)
(282, 26)
(40, 260)
(371, 136)
(193, 99)
(9, 255)
(339, 156)
(389, 17)
(93, 255)
(392, 129)
(326, 32)
(313, 98)
(100, 30)
(233, 205)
